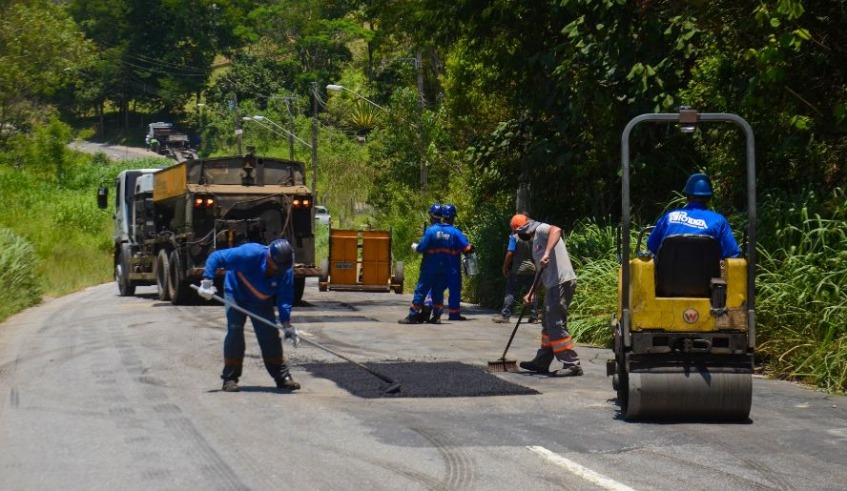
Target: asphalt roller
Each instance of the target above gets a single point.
(684, 333)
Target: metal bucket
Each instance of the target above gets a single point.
(470, 264)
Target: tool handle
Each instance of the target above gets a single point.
(307, 341)
(520, 317)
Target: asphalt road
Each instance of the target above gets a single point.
(103, 392)
(114, 152)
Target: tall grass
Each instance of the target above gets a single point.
(592, 250)
(17, 273)
(56, 214)
(802, 293)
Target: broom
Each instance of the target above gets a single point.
(502, 364)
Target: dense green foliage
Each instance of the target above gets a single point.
(17, 273)
(493, 105)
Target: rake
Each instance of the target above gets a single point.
(502, 364)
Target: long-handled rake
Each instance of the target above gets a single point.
(502, 364)
(394, 386)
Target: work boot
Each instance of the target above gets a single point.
(410, 319)
(425, 314)
(286, 382)
(230, 386)
(501, 319)
(436, 319)
(457, 318)
(532, 367)
(533, 320)
(573, 370)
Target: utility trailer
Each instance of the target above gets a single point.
(360, 261)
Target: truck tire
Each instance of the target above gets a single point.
(126, 288)
(162, 275)
(178, 288)
(299, 287)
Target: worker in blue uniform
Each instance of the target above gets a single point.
(695, 218)
(461, 245)
(435, 245)
(257, 276)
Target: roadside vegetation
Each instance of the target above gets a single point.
(451, 102)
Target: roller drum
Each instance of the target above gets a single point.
(694, 394)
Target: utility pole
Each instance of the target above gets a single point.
(314, 141)
(291, 127)
(422, 106)
(238, 130)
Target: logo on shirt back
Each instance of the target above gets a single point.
(682, 218)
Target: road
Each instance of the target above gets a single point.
(105, 392)
(114, 152)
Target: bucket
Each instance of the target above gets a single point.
(470, 264)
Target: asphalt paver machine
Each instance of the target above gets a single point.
(684, 333)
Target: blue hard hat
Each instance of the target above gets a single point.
(448, 211)
(435, 210)
(698, 185)
(281, 253)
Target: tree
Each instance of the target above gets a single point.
(40, 50)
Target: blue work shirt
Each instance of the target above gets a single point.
(695, 218)
(247, 280)
(459, 245)
(437, 248)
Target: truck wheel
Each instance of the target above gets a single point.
(162, 274)
(126, 288)
(177, 285)
(299, 287)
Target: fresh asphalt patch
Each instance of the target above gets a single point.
(417, 379)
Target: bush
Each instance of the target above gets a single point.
(18, 274)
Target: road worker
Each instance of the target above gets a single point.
(461, 245)
(519, 269)
(435, 245)
(695, 218)
(256, 277)
(559, 279)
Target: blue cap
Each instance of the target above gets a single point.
(698, 185)
(435, 210)
(281, 253)
(448, 211)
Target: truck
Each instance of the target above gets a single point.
(169, 220)
(168, 142)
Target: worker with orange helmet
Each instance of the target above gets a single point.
(559, 279)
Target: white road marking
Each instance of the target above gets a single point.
(580, 471)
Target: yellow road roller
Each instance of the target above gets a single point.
(684, 332)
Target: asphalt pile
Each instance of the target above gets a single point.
(417, 379)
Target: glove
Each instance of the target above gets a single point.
(290, 333)
(207, 289)
(414, 247)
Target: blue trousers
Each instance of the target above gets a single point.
(269, 341)
(429, 281)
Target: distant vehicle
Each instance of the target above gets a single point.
(321, 215)
(164, 140)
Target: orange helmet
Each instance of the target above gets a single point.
(518, 220)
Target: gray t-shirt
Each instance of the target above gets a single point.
(559, 270)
